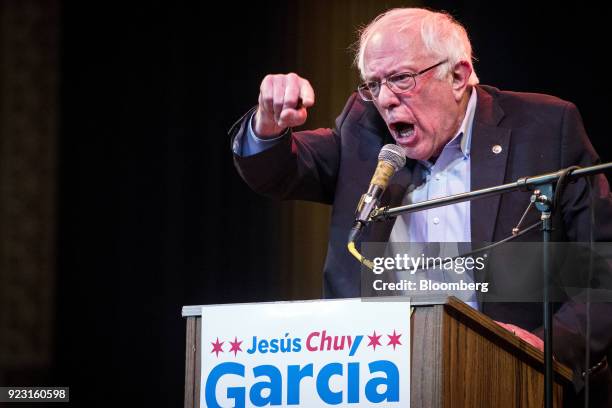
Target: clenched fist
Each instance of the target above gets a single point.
(283, 100)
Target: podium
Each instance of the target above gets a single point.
(459, 358)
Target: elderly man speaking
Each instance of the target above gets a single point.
(420, 91)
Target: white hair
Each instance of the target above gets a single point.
(441, 35)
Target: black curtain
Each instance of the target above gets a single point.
(153, 215)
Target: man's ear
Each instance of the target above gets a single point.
(461, 76)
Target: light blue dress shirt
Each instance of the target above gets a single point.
(449, 175)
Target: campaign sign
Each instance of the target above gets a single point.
(311, 354)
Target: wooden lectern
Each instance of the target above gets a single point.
(460, 358)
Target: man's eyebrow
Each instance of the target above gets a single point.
(402, 68)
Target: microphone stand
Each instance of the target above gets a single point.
(543, 196)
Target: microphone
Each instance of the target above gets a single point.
(390, 159)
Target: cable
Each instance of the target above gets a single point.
(490, 246)
(562, 183)
(362, 260)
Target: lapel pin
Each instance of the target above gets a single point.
(496, 149)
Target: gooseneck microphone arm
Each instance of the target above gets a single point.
(390, 159)
(523, 184)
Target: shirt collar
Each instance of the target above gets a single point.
(465, 130)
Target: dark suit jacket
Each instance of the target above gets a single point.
(537, 134)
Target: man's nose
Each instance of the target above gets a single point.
(387, 98)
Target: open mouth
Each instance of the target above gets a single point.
(403, 131)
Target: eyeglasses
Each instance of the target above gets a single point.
(397, 83)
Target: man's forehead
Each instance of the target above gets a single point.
(387, 50)
(406, 46)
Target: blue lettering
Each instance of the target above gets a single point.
(325, 393)
(297, 345)
(285, 344)
(355, 345)
(268, 391)
(294, 377)
(353, 383)
(263, 346)
(274, 346)
(254, 346)
(237, 393)
(391, 382)
(274, 385)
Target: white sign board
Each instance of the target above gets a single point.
(311, 354)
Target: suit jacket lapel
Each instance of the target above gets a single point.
(488, 157)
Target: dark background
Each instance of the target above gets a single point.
(151, 214)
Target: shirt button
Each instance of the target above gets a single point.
(436, 220)
(438, 176)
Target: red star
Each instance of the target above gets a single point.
(394, 340)
(217, 347)
(374, 340)
(235, 346)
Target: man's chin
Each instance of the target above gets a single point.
(415, 153)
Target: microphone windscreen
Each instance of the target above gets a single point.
(393, 154)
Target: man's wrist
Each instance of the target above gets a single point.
(266, 139)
